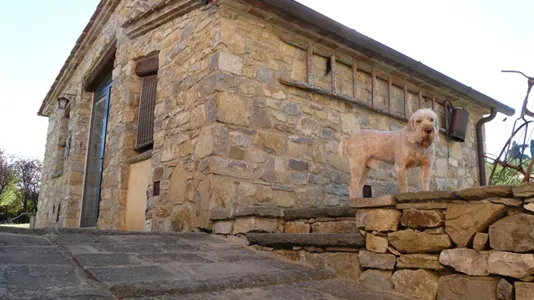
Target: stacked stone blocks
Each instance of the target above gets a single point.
(476, 243)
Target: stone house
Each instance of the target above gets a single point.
(167, 110)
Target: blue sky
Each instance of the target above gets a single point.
(36, 38)
(470, 41)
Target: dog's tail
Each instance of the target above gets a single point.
(341, 148)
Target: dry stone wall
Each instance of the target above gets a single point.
(476, 243)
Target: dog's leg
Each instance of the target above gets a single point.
(356, 172)
(425, 178)
(401, 175)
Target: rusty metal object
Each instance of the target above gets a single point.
(506, 161)
(458, 125)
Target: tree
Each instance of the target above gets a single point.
(29, 172)
(7, 171)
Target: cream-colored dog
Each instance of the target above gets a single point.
(409, 147)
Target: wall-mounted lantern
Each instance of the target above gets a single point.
(64, 100)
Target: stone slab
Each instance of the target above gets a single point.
(199, 266)
(380, 279)
(467, 261)
(463, 221)
(463, 287)
(423, 205)
(525, 190)
(341, 226)
(484, 192)
(419, 261)
(316, 290)
(513, 233)
(506, 201)
(374, 260)
(260, 211)
(286, 240)
(480, 240)
(420, 284)
(383, 201)
(411, 241)
(425, 196)
(313, 213)
(524, 290)
(45, 255)
(421, 218)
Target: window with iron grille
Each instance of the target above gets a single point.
(147, 69)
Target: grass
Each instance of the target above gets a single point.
(25, 225)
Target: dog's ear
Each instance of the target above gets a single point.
(410, 132)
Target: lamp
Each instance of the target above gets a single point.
(62, 102)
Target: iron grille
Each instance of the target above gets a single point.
(145, 122)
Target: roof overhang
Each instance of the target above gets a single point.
(292, 10)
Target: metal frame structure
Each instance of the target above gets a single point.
(520, 129)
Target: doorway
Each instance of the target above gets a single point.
(95, 155)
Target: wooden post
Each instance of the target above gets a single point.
(334, 79)
(389, 94)
(309, 65)
(373, 83)
(405, 101)
(420, 98)
(355, 80)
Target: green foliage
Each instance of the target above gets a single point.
(19, 186)
(507, 176)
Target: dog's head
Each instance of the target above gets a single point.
(423, 127)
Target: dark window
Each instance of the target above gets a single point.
(145, 122)
(155, 190)
(147, 69)
(57, 214)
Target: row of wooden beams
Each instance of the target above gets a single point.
(333, 73)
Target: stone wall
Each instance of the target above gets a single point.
(276, 144)
(229, 132)
(183, 46)
(471, 244)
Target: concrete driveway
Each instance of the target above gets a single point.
(81, 264)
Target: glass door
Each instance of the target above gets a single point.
(95, 156)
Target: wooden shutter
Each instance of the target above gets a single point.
(145, 122)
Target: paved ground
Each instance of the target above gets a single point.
(78, 264)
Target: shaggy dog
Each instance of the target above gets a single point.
(409, 147)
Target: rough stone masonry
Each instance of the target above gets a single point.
(231, 127)
(471, 244)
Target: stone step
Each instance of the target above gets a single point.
(288, 214)
(288, 240)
